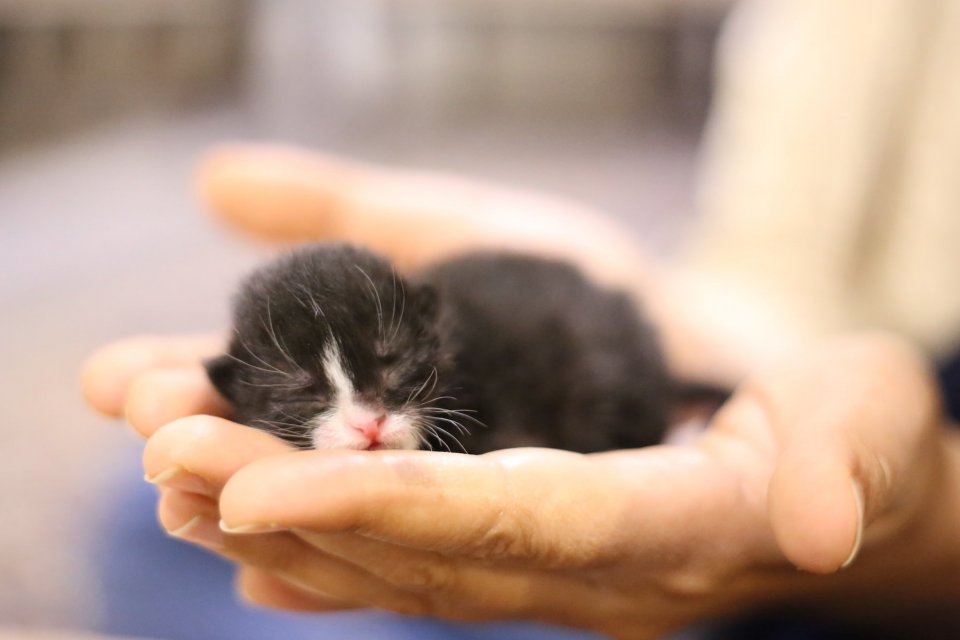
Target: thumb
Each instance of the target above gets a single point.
(816, 506)
(857, 429)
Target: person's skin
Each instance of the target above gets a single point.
(417, 217)
(836, 456)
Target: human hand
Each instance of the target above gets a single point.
(289, 195)
(418, 217)
(835, 453)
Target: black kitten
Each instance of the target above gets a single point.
(332, 349)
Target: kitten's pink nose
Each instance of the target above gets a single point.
(370, 426)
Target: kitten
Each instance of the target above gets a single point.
(333, 349)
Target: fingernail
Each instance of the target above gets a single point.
(200, 530)
(242, 529)
(858, 498)
(163, 476)
(180, 478)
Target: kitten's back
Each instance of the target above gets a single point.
(549, 358)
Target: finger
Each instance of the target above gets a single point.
(455, 588)
(199, 453)
(275, 192)
(287, 194)
(194, 518)
(190, 517)
(107, 374)
(262, 588)
(159, 396)
(536, 507)
(857, 433)
(418, 581)
(330, 579)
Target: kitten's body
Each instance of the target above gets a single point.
(333, 349)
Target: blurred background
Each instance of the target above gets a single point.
(105, 106)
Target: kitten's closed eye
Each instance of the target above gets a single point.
(389, 359)
(306, 406)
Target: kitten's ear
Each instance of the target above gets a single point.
(222, 372)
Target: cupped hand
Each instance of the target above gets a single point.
(835, 459)
(417, 217)
(837, 455)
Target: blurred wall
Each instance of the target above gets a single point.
(433, 61)
(67, 63)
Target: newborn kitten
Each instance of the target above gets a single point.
(333, 349)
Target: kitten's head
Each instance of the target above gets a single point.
(331, 349)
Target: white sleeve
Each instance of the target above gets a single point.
(830, 190)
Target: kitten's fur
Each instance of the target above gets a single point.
(523, 345)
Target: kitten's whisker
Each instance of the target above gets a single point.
(279, 385)
(460, 413)
(424, 441)
(413, 396)
(294, 418)
(436, 428)
(252, 366)
(427, 402)
(403, 305)
(459, 427)
(446, 417)
(454, 410)
(291, 431)
(314, 307)
(436, 379)
(301, 301)
(288, 425)
(277, 342)
(377, 301)
(295, 425)
(393, 300)
(433, 431)
(270, 367)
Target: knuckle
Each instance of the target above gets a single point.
(197, 428)
(433, 577)
(688, 584)
(516, 535)
(507, 537)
